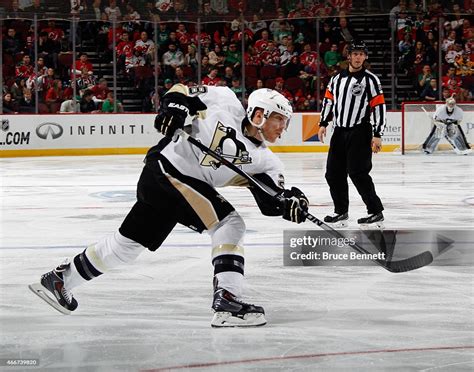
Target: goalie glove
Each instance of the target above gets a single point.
(174, 110)
(294, 203)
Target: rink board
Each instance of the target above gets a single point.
(83, 134)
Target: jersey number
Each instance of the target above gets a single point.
(199, 89)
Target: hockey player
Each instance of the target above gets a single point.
(177, 185)
(447, 123)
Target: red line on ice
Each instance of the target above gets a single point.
(306, 356)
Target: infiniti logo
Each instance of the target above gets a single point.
(49, 129)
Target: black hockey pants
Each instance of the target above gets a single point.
(166, 197)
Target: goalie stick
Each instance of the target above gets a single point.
(408, 264)
(436, 123)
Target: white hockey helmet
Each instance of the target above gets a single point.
(450, 104)
(270, 101)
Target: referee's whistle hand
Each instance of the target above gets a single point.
(376, 144)
(322, 134)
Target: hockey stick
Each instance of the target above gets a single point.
(436, 123)
(426, 112)
(408, 264)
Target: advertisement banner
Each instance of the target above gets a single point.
(78, 134)
(77, 131)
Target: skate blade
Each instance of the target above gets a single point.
(225, 319)
(338, 224)
(371, 226)
(42, 293)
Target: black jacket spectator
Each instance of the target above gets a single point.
(47, 46)
(293, 68)
(12, 44)
(87, 104)
(430, 92)
(9, 105)
(327, 35)
(431, 56)
(27, 103)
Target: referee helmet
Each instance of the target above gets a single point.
(358, 45)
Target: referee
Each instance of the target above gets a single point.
(354, 101)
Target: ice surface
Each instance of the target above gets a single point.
(155, 314)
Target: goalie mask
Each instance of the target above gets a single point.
(269, 101)
(450, 104)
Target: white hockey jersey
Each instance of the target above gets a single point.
(221, 131)
(441, 114)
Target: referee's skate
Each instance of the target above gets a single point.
(374, 220)
(337, 220)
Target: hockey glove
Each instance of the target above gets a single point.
(173, 112)
(295, 203)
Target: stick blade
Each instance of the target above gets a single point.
(409, 264)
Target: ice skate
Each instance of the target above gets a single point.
(372, 221)
(51, 290)
(233, 312)
(337, 220)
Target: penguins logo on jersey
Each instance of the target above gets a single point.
(226, 144)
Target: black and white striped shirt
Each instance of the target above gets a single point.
(353, 98)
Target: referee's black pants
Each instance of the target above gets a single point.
(350, 153)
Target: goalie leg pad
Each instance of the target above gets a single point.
(431, 142)
(457, 139)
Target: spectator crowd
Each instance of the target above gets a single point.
(280, 50)
(418, 38)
